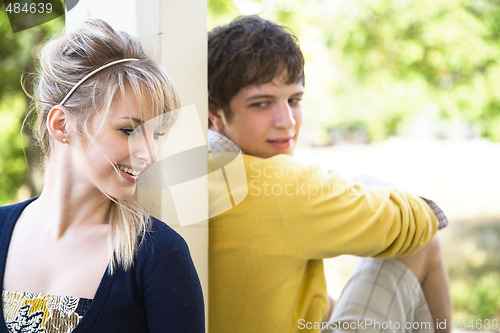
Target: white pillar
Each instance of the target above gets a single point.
(174, 32)
(183, 40)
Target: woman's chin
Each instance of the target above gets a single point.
(123, 194)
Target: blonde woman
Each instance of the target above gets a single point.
(84, 256)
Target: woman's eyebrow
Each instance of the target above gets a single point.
(133, 119)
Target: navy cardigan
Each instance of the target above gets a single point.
(160, 293)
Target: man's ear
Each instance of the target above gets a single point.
(57, 122)
(215, 115)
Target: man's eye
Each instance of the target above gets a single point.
(259, 104)
(293, 101)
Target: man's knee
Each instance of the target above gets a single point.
(424, 260)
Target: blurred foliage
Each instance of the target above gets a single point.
(18, 52)
(384, 62)
(478, 298)
(12, 163)
(473, 267)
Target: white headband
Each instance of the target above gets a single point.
(68, 95)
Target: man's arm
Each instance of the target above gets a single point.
(325, 216)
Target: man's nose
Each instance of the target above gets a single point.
(283, 116)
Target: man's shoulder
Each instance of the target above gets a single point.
(224, 150)
(281, 165)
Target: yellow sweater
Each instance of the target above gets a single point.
(265, 265)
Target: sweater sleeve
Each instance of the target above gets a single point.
(322, 215)
(173, 297)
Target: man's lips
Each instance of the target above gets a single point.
(281, 143)
(288, 138)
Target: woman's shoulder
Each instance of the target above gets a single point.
(14, 208)
(161, 231)
(166, 274)
(161, 241)
(10, 213)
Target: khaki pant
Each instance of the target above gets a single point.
(382, 295)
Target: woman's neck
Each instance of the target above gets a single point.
(68, 202)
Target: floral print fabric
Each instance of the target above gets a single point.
(40, 313)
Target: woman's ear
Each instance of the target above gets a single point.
(215, 115)
(57, 122)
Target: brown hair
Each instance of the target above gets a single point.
(250, 50)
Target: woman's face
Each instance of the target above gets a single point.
(121, 146)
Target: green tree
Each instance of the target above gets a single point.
(17, 54)
(445, 53)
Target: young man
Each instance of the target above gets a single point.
(266, 268)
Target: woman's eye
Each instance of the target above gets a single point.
(132, 131)
(127, 131)
(158, 135)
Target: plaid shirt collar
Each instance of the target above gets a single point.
(218, 143)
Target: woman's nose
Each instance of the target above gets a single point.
(145, 148)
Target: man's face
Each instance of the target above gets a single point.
(266, 118)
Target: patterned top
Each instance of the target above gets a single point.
(219, 143)
(41, 313)
(161, 292)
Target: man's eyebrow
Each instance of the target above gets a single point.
(297, 94)
(260, 97)
(263, 96)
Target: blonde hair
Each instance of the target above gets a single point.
(63, 63)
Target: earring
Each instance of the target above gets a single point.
(65, 140)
